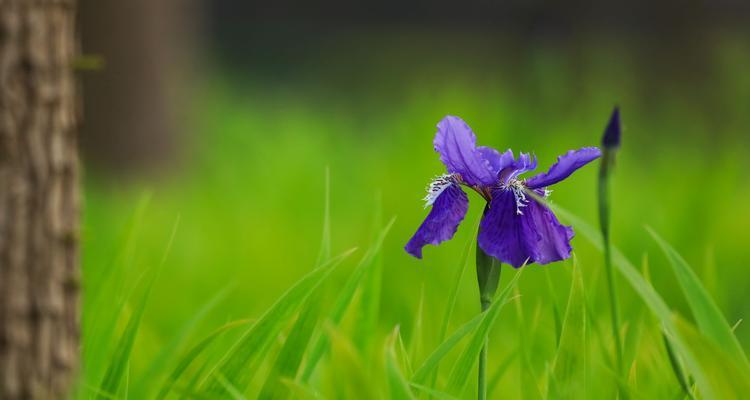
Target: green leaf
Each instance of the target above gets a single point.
(168, 351)
(325, 241)
(431, 363)
(192, 354)
(290, 357)
(433, 393)
(717, 373)
(451, 304)
(569, 366)
(462, 368)
(704, 365)
(239, 364)
(398, 387)
(709, 318)
(121, 358)
(342, 302)
(366, 323)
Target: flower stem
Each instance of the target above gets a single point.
(488, 277)
(608, 159)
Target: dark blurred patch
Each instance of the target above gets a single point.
(130, 105)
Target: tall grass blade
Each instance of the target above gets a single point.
(569, 366)
(708, 316)
(121, 358)
(325, 241)
(499, 373)
(431, 363)
(717, 373)
(192, 354)
(398, 386)
(290, 357)
(104, 284)
(370, 290)
(459, 375)
(433, 392)
(684, 339)
(159, 361)
(453, 295)
(342, 302)
(239, 364)
(677, 367)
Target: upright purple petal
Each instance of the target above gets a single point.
(498, 161)
(526, 162)
(536, 236)
(456, 144)
(441, 223)
(566, 164)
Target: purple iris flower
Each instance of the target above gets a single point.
(515, 228)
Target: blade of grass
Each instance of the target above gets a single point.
(238, 365)
(677, 368)
(325, 241)
(105, 283)
(290, 357)
(500, 372)
(432, 392)
(398, 387)
(683, 340)
(370, 290)
(415, 345)
(343, 301)
(717, 373)
(172, 347)
(301, 391)
(707, 314)
(431, 363)
(351, 377)
(569, 365)
(192, 354)
(451, 305)
(121, 357)
(230, 389)
(462, 368)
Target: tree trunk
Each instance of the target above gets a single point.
(39, 200)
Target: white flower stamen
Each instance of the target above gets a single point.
(519, 192)
(436, 187)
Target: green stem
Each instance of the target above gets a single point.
(604, 214)
(488, 277)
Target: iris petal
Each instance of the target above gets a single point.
(536, 236)
(526, 162)
(441, 223)
(498, 161)
(456, 144)
(566, 164)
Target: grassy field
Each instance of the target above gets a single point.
(270, 262)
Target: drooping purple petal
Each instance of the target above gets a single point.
(503, 232)
(448, 210)
(566, 164)
(553, 238)
(536, 236)
(456, 144)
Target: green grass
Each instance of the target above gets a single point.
(250, 301)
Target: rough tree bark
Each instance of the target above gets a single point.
(39, 200)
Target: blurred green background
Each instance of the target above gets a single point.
(267, 102)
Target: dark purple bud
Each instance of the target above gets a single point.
(611, 138)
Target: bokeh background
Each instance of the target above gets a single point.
(225, 116)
